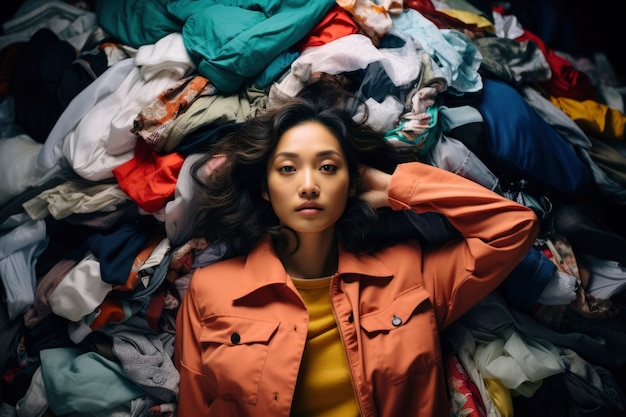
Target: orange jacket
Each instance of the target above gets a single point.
(242, 326)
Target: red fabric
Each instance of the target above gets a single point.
(154, 309)
(566, 80)
(336, 24)
(465, 398)
(149, 178)
(111, 311)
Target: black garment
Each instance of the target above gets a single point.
(36, 73)
(592, 227)
(47, 74)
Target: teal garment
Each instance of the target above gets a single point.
(425, 139)
(230, 42)
(275, 69)
(136, 23)
(84, 382)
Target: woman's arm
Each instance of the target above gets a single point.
(497, 232)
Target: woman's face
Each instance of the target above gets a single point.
(307, 179)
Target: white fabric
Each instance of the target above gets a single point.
(168, 54)
(102, 140)
(382, 116)
(103, 86)
(81, 291)
(607, 278)
(464, 346)
(346, 54)
(560, 290)
(35, 402)
(519, 363)
(94, 135)
(507, 26)
(19, 168)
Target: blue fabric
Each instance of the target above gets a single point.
(523, 144)
(525, 284)
(116, 250)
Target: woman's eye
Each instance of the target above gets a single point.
(328, 168)
(286, 169)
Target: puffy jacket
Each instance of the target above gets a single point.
(242, 326)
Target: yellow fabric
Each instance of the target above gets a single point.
(324, 387)
(594, 118)
(500, 395)
(471, 18)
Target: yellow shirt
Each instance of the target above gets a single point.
(324, 387)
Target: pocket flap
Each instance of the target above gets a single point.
(396, 314)
(233, 330)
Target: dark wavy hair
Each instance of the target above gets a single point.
(230, 204)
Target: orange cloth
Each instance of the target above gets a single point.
(241, 328)
(149, 178)
(336, 24)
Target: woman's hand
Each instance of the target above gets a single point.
(376, 185)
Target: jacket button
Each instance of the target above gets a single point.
(351, 318)
(158, 378)
(235, 338)
(396, 321)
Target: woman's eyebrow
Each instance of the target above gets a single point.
(296, 155)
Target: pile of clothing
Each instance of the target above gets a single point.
(105, 105)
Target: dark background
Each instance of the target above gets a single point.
(565, 26)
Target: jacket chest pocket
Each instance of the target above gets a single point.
(402, 338)
(235, 351)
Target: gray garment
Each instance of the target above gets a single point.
(19, 250)
(181, 211)
(593, 389)
(452, 155)
(146, 357)
(610, 155)
(513, 61)
(493, 316)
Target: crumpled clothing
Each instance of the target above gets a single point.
(154, 119)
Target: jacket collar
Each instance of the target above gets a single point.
(263, 268)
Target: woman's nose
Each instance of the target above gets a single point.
(309, 186)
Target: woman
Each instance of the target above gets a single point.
(314, 318)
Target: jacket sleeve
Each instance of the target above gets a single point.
(497, 233)
(192, 389)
